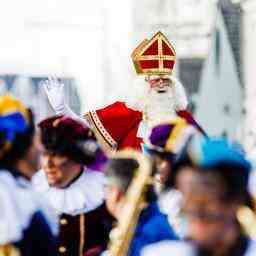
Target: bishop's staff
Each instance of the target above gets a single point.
(9, 250)
(122, 234)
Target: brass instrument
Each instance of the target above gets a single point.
(247, 219)
(121, 236)
(9, 250)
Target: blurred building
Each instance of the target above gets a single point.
(191, 27)
(219, 102)
(249, 61)
(191, 64)
(220, 93)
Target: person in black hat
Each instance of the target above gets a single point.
(72, 183)
(164, 144)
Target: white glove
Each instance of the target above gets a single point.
(55, 93)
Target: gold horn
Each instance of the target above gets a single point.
(247, 219)
(9, 250)
(121, 236)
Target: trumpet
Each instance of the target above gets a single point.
(121, 236)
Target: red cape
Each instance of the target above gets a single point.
(116, 125)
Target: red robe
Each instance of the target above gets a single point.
(116, 126)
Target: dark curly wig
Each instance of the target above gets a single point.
(65, 136)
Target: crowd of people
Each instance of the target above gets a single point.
(134, 178)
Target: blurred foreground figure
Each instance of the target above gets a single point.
(73, 188)
(23, 224)
(159, 98)
(165, 142)
(131, 199)
(213, 178)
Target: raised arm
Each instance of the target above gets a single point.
(56, 96)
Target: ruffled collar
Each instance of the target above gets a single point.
(251, 250)
(84, 195)
(17, 209)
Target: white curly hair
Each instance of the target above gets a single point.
(156, 107)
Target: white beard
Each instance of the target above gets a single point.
(159, 107)
(156, 107)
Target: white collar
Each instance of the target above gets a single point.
(83, 195)
(170, 202)
(23, 182)
(251, 250)
(17, 209)
(142, 129)
(183, 248)
(168, 247)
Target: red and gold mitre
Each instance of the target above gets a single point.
(155, 56)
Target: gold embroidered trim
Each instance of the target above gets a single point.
(82, 233)
(180, 125)
(101, 133)
(138, 56)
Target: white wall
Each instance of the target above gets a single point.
(249, 58)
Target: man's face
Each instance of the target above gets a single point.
(59, 170)
(208, 216)
(163, 168)
(184, 180)
(114, 197)
(159, 83)
(207, 219)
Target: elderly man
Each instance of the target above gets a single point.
(159, 99)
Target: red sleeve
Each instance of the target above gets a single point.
(114, 124)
